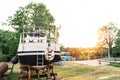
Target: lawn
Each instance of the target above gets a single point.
(75, 71)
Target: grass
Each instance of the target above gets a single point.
(115, 65)
(74, 71)
(113, 78)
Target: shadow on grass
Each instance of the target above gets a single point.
(13, 76)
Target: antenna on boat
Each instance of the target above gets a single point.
(49, 33)
(23, 32)
(23, 37)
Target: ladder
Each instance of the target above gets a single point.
(40, 60)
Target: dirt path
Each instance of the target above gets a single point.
(106, 77)
(92, 62)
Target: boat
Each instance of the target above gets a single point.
(38, 48)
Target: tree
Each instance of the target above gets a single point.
(32, 16)
(8, 43)
(107, 36)
(62, 48)
(116, 48)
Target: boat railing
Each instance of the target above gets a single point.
(24, 38)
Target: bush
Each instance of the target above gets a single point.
(9, 57)
(3, 58)
(115, 65)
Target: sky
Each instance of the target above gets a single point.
(79, 19)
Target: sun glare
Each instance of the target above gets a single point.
(80, 39)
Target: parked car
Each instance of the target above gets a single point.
(65, 58)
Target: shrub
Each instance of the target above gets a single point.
(3, 58)
(115, 65)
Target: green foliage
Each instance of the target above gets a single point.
(115, 65)
(34, 15)
(62, 48)
(116, 49)
(3, 58)
(8, 43)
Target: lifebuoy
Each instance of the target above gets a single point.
(49, 54)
